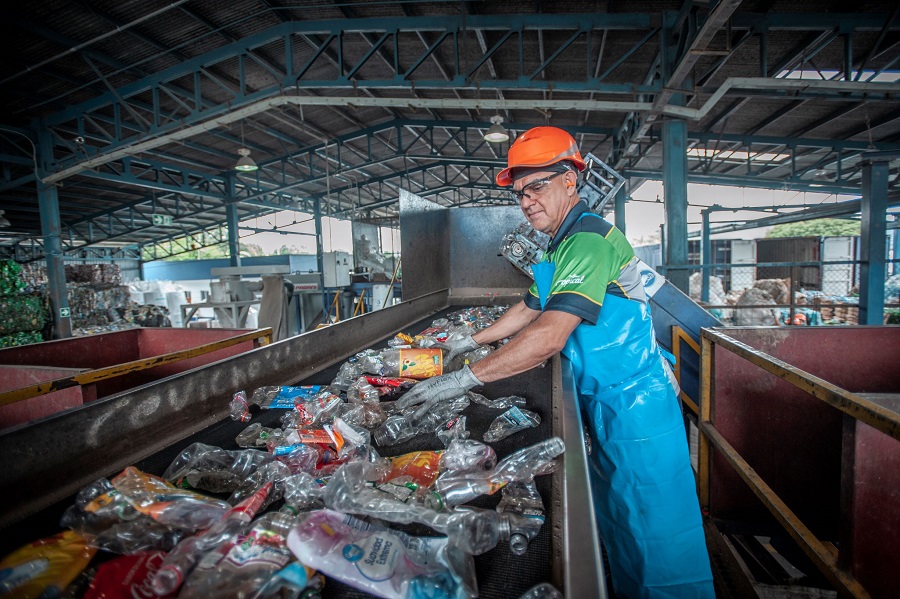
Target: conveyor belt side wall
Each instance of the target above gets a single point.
(51, 458)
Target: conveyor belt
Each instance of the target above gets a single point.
(500, 573)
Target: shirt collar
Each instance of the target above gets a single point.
(567, 224)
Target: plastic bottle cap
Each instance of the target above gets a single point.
(518, 544)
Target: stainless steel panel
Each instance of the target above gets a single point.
(475, 236)
(50, 459)
(425, 245)
(582, 567)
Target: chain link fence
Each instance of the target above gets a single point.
(787, 293)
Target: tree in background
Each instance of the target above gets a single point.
(207, 253)
(822, 227)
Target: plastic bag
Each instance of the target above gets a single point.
(45, 567)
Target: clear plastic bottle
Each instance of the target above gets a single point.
(452, 430)
(524, 501)
(452, 489)
(396, 429)
(468, 455)
(509, 422)
(213, 469)
(545, 590)
(501, 403)
(257, 435)
(182, 559)
(240, 408)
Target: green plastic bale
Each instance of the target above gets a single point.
(23, 338)
(10, 277)
(21, 313)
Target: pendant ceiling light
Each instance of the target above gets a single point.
(245, 164)
(496, 133)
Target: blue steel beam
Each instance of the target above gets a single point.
(873, 237)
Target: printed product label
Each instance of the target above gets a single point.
(515, 416)
(255, 551)
(379, 557)
(288, 396)
(420, 363)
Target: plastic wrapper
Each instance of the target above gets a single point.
(168, 505)
(454, 428)
(501, 403)
(283, 397)
(126, 576)
(257, 435)
(213, 469)
(510, 422)
(375, 559)
(21, 313)
(45, 567)
(239, 408)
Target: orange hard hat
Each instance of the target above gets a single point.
(540, 146)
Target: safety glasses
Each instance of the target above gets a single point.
(534, 189)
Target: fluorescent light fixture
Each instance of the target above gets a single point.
(4, 222)
(496, 133)
(245, 164)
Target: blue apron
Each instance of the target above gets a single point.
(643, 485)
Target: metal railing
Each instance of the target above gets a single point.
(824, 555)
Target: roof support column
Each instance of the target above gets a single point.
(320, 256)
(231, 215)
(48, 203)
(621, 197)
(873, 238)
(705, 258)
(674, 138)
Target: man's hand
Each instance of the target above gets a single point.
(440, 388)
(459, 345)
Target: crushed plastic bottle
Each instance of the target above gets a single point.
(107, 520)
(395, 429)
(154, 497)
(240, 567)
(468, 455)
(545, 590)
(321, 408)
(257, 435)
(452, 489)
(510, 422)
(283, 397)
(271, 472)
(182, 559)
(473, 531)
(501, 403)
(523, 500)
(451, 430)
(213, 469)
(239, 407)
(415, 363)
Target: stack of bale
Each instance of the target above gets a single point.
(22, 314)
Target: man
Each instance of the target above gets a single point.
(588, 302)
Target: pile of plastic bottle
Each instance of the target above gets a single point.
(312, 499)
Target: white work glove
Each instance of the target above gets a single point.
(459, 345)
(440, 388)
